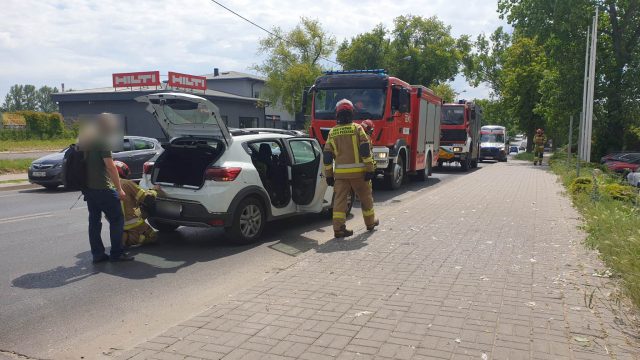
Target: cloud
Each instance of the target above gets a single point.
(82, 42)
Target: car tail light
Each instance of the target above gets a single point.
(222, 173)
(216, 222)
(147, 167)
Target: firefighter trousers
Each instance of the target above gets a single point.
(538, 152)
(342, 190)
(139, 235)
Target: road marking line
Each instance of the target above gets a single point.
(25, 217)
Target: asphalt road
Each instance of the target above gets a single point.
(55, 304)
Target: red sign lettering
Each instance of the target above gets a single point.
(134, 79)
(186, 81)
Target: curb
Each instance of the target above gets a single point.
(19, 186)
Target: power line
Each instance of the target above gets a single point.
(264, 29)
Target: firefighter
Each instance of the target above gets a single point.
(349, 148)
(134, 206)
(538, 146)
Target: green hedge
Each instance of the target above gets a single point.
(39, 125)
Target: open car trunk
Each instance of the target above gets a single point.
(185, 161)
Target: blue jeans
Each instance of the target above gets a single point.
(107, 202)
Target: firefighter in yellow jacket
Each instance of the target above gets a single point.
(538, 146)
(349, 150)
(136, 230)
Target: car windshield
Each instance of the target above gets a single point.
(492, 138)
(453, 115)
(368, 103)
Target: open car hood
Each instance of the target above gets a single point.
(186, 115)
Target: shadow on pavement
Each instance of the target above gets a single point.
(172, 252)
(187, 246)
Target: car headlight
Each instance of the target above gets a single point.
(457, 149)
(56, 166)
(381, 155)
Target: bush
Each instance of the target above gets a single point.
(39, 125)
(581, 185)
(619, 192)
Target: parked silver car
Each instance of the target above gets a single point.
(47, 170)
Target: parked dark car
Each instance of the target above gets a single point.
(47, 170)
(513, 149)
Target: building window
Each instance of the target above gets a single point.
(256, 95)
(248, 122)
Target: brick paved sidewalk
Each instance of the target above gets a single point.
(487, 266)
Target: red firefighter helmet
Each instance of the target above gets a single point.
(368, 126)
(123, 169)
(344, 105)
(539, 131)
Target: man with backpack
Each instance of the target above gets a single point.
(90, 168)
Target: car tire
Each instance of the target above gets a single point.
(248, 222)
(162, 226)
(466, 164)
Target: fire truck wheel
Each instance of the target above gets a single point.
(466, 164)
(395, 178)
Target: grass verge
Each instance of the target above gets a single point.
(14, 166)
(4, 182)
(524, 156)
(611, 212)
(25, 145)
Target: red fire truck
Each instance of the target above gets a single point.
(460, 134)
(406, 119)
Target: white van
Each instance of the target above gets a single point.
(493, 143)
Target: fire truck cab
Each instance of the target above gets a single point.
(460, 134)
(406, 119)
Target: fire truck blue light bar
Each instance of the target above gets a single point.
(373, 71)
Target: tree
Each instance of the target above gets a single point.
(43, 98)
(423, 50)
(365, 51)
(445, 91)
(26, 97)
(560, 26)
(524, 68)
(418, 50)
(293, 61)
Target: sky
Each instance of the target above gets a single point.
(82, 42)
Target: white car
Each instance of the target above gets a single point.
(211, 177)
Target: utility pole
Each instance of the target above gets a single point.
(592, 84)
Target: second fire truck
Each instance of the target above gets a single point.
(460, 134)
(406, 119)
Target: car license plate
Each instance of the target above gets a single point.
(39, 174)
(168, 209)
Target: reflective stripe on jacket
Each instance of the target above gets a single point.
(344, 146)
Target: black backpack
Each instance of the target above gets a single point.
(74, 169)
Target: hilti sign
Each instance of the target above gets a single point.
(146, 78)
(187, 81)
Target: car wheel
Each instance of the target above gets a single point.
(466, 163)
(248, 222)
(162, 226)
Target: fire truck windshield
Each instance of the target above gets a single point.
(369, 103)
(453, 115)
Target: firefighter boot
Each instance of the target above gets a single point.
(342, 233)
(371, 227)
